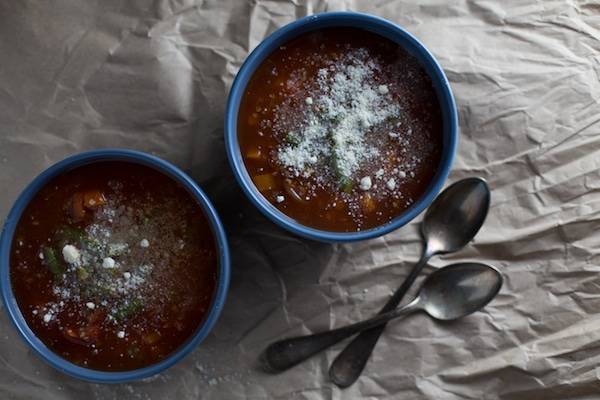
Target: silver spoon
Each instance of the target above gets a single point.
(447, 294)
(452, 221)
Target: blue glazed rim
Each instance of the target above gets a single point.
(341, 19)
(7, 236)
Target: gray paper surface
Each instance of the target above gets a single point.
(154, 76)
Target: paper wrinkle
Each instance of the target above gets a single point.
(155, 77)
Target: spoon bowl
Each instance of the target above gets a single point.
(459, 290)
(456, 215)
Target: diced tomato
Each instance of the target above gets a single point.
(93, 199)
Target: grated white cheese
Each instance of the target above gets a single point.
(365, 183)
(279, 199)
(349, 104)
(144, 243)
(108, 262)
(71, 254)
(90, 305)
(391, 184)
(121, 334)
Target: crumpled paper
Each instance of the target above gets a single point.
(154, 76)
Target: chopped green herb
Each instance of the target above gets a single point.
(346, 184)
(336, 119)
(292, 139)
(128, 310)
(82, 273)
(69, 235)
(93, 290)
(390, 119)
(53, 263)
(92, 244)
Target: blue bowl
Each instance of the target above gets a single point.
(341, 19)
(7, 236)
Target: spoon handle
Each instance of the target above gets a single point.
(286, 353)
(348, 365)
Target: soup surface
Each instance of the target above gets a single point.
(340, 129)
(113, 265)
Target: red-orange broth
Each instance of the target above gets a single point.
(113, 265)
(340, 129)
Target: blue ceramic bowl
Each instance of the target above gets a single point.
(7, 236)
(341, 19)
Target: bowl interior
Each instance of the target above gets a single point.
(133, 157)
(375, 25)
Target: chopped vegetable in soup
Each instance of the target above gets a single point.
(340, 129)
(113, 265)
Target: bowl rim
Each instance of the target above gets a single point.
(379, 26)
(15, 314)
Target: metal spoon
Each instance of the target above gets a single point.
(451, 222)
(447, 294)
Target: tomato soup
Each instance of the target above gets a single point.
(340, 129)
(113, 265)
